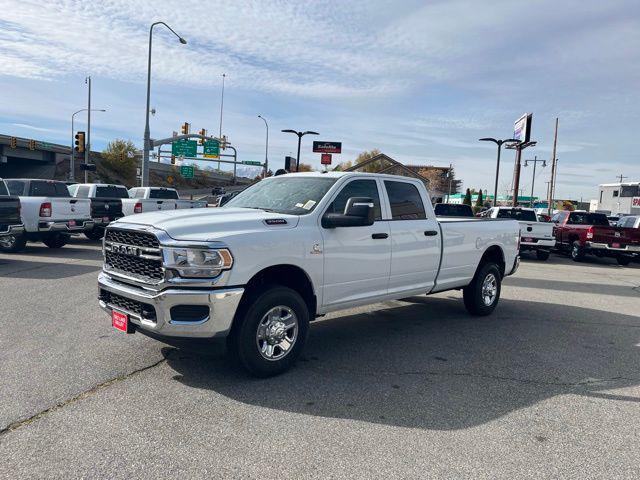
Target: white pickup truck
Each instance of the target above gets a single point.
(49, 213)
(289, 249)
(535, 235)
(152, 199)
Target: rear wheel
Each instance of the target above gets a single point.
(272, 331)
(542, 254)
(623, 260)
(57, 240)
(96, 233)
(13, 243)
(577, 252)
(482, 294)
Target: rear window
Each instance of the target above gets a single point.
(517, 214)
(82, 191)
(452, 210)
(41, 188)
(584, 218)
(112, 191)
(3, 189)
(163, 193)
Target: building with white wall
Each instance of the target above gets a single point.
(619, 198)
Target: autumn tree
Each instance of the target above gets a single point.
(118, 163)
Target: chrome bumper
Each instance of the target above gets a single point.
(604, 246)
(222, 304)
(99, 222)
(12, 230)
(541, 243)
(63, 226)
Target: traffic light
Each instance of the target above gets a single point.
(185, 128)
(122, 156)
(173, 159)
(32, 144)
(14, 142)
(79, 142)
(223, 142)
(202, 132)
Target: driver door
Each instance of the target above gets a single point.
(357, 260)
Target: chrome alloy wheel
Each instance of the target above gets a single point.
(277, 332)
(489, 289)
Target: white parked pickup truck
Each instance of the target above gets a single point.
(289, 249)
(152, 199)
(535, 235)
(49, 213)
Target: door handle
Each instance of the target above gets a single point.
(378, 236)
(430, 233)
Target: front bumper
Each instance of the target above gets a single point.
(222, 304)
(11, 229)
(604, 246)
(63, 226)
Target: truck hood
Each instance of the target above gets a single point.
(209, 224)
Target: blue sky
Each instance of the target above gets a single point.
(420, 80)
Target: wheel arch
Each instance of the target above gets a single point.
(493, 254)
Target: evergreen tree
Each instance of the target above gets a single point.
(480, 200)
(467, 198)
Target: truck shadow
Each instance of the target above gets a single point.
(581, 287)
(14, 268)
(427, 364)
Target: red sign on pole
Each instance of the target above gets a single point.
(325, 159)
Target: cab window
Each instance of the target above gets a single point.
(405, 201)
(357, 188)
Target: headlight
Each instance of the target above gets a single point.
(197, 262)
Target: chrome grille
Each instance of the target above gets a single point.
(133, 254)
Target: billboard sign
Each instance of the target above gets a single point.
(522, 128)
(290, 164)
(327, 147)
(325, 159)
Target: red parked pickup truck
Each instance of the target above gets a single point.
(582, 232)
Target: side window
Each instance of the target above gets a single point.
(615, 193)
(16, 187)
(556, 218)
(405, 200)
(357, 188)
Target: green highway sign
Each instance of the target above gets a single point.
(184, 148)
(186, 171)
(251, 162)
(211, 149)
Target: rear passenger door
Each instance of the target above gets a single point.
(415, 239)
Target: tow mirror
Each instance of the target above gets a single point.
(358, 212)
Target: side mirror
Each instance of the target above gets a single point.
(358, 212)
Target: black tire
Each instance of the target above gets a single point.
(542, 255)
(13, 243)
(245, 342)
(474, 296)
(57, 240)
(577, 252)
(95, 234)
(623, 260)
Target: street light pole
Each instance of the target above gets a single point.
(87, 149)
(147, 134)
(300, 135)
(72, 157)
(266, 148)
(499, 144)
(533, 180)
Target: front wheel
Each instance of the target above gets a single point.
(482, 294)
(542, 255)
(272, 331)
(58, 240)
(13, 243)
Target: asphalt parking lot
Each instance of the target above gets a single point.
(548, 386)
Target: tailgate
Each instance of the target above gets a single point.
(537, 230)
(616, 235)
(10, 211)
(69, 208)
(106, 207)
(151, 205)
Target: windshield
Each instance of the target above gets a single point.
(517, 214)
(112, 191)
(293, 195)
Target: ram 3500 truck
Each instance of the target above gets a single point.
(584, 233)
(49, 213)
(106, 204)
(10, 220)
(289, 249)
(534, 235)
(151, 199)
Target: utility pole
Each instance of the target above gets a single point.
(622, 177)
(533, 180)
(450, 178)
(554, 166)
(221, 104)
(87, 149)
